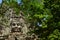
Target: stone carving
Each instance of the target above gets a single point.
(17, 28)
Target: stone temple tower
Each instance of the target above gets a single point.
(18, 26)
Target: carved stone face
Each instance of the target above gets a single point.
(16, 27)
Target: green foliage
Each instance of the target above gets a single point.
(13, 4)
(46, 12)
(55, 35)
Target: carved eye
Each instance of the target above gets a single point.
(13, 24)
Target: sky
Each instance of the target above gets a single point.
(0, 1)
(19, 1)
